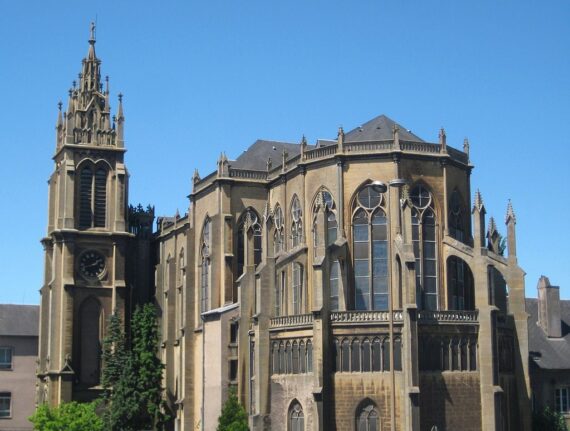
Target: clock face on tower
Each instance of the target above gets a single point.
(92, 264)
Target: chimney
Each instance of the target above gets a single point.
(549, 317)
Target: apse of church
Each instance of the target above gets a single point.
(349, 284)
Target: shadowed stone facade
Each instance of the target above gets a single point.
(347, 285)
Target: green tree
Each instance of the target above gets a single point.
(132, 381)
(548, 420)
(233, 416)
(71, 416)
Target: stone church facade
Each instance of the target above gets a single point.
(351, 284)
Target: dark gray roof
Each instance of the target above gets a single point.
(380, 129)
(548, 353)
(19, 320)
(256, 156)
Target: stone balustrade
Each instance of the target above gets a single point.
(448, 316)
(296, 320)
(365, 317)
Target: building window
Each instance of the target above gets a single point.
(5, 358)
(298, 293)
(370, 249)
(205, 266)
(325, 202)
(5, 404)
(456, 222)
(367, 418)
(92, 197)
(280, 289)
(278, 236)
(461, 290)
(562, 398)
(234, 331)
(425, 250)
(296, 222)
(365, 356)
(334, 285)
(249, 220)
(233, 370)
(296, 417)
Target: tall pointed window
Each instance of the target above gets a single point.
(425, 247)
(367, 418)
(296, 417)
(280, 289)
(370, 242)
(456, 222)
(296, 222)
(92, 196)
(298, 291)
(334, 285)
(279, 235)
(248, 220)
(325, 199)
(205, 266)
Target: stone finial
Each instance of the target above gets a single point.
(340, 139)
(267, 212)
(196, 176)
(478, 202)
(303, 145)
(442, 140)
(510, 217)
(466, 147)
(106, 84)
(396, 135)
(492, 226)
(92, 33)
(269, 164)
(284, 156)
(405, 196)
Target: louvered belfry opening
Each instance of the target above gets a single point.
(92, 198)
(100, 197)
(85, 186)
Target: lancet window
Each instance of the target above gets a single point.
(326, 201)
(249, 220)
(296, 222)
(279, 235)
(296, 417)
(425, 247)
(367, 417)
(92, 197)
(367, 354)
(298, 288)
(205, 266)
(370, 250)
(456, 217)
(294, 357)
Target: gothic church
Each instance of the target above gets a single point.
(348, 284)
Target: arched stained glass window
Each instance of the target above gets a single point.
(367, 418)
(296, 417)
(279, 235)
(249, 219)
(205, 266)
(370, 250)
(424, 240)
(456, 217)
(296, 222)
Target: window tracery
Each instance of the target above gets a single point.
(296, 222)
(296, 417)
(367, 417)
(279, 234)
(249, 219)
(425, 247)
(370, 250)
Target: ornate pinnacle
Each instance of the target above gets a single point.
(120, 97)
(442, 140)
(478, 203)
(267, 213)
(59, 105)
(92, 33)
(510, 217)
(492, 227)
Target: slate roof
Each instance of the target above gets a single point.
(19, 320)
(377, 129)
(380, 129)
(255, 157)
(548, 353)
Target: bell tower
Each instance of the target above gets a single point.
(87, 238)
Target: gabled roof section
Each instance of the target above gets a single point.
(548, 353)
(19, 320)
(380, 128)
(256, 156)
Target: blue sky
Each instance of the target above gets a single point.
(204, 77)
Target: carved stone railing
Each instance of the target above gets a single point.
(295, 321)
(248, 174)
(364, 317)
(317, 153)
(353, 147)
(420, 147)
(448, 316)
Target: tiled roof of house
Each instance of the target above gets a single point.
(548, 353)
(19, 320)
